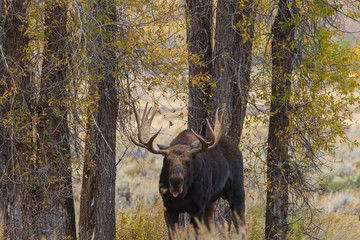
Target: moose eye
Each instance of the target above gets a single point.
(188, 163)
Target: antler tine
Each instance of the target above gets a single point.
(219, 126)
(215, 133)
(137, 143)
(146, 114)
(150, 145)
(140, 144)
(144, 125)
(136, 115)
(144, 132)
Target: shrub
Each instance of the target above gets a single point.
(141, 222)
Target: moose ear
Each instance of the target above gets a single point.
(162, 147)
(195, 144)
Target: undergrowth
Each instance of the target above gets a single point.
(142, 222)
(147, 222)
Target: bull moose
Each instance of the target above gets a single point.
(196, 172)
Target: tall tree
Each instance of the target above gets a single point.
(220, 74)
(15, 123)
(282, 45)
(232, 61)
(97, 207)
(231, 68)
(36, 159)
(199, 17)
(54, 204)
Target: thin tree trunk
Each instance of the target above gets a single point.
(55, 214)
(283, 34)
(199, 38)
(97, 210)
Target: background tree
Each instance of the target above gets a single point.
(97, 209)
(37, 169)
(15, 125)
(199, 17)
(282, 45)
(55, 214)
(232, 61)
(223, 70)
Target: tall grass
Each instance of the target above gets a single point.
(147, 222)
(142, 222)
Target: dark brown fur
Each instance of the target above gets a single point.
(192, 184)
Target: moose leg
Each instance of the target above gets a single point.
(237, 205)
(237, 216)
(171, 220)
(209, 217)
(196, 219)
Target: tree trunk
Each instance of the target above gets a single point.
(199, 39)
(15, 122)
(232, 62)
(283, 34)
(4, 109)
(97, 209)
(231, 72)
(55, 214)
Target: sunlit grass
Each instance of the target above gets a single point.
(147, 222)
(141, 222)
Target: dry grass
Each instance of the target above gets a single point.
(343, 225)
(142, 222)
(147, 222)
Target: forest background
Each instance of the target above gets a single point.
(288, 71)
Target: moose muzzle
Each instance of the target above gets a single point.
(176, 180)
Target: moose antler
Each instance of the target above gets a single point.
(145, 141)
(215, 133)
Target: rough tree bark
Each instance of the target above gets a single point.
(231, 71)
(4, 109)
(15, 122)
(199, 16)
(283, 35)
(227, 65)
(97, 209)
(232, 62)
(53, 201)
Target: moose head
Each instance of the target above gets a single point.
(178, 157)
